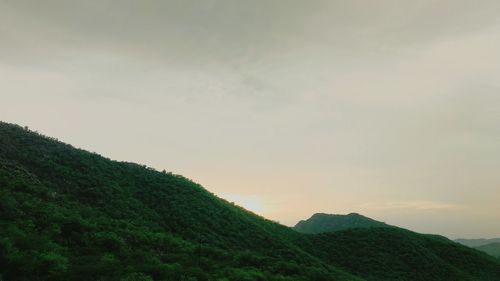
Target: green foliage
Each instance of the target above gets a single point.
(67, 214)
(399, 254)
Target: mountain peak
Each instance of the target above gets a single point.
(322, 222)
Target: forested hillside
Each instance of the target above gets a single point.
(67, 214)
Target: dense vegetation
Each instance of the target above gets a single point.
(320, 223)
(67, 214)
(384, 253)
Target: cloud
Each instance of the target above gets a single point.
(230, 31)
(345, 101)
(409, 205)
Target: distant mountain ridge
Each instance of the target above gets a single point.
(492, 249)
(321, 222)
(476, 242)
(488, 246)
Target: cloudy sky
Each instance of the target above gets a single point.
(386, 108)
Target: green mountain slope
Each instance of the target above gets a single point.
(319, 223)
(67, 214)
(492, 249)
(383, 253)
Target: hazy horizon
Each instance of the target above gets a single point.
(288, 108)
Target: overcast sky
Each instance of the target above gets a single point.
(386, 108)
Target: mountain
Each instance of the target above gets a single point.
(477, 242)
(320, 223)
(492, 249)
(489, 246)
(68, 214)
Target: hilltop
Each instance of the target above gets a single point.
(320, 222)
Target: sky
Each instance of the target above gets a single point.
(386, 108)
